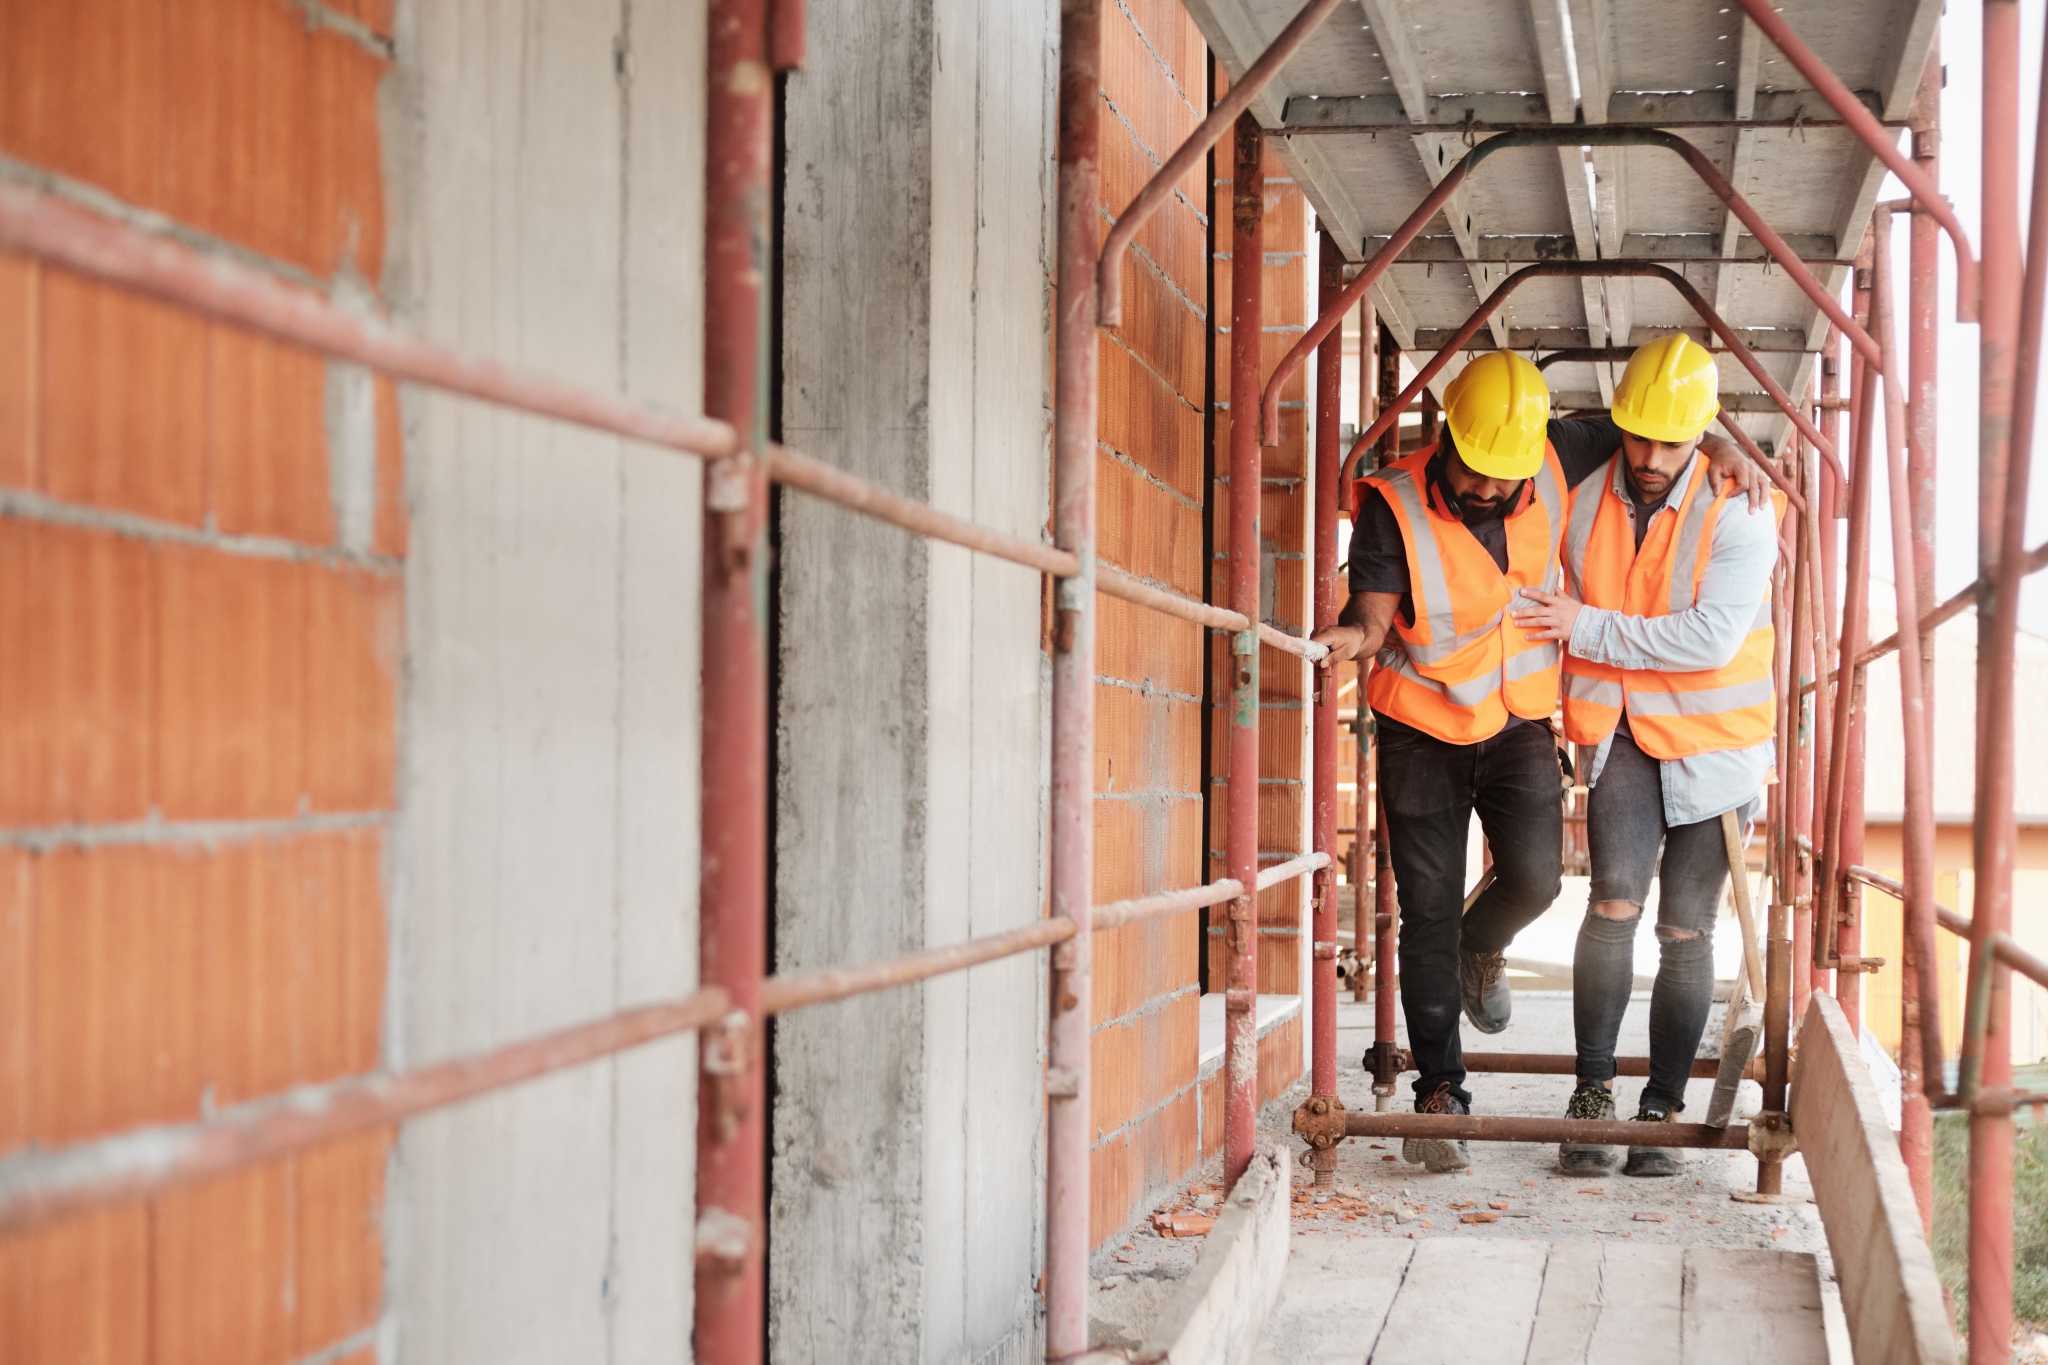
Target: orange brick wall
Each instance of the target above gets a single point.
(1284, 510)
(1148, 737)
(198, 669)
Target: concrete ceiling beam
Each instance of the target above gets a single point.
(1506, 111)
(1438, 152)
(1748, 61)
(1680, 248)
(1779, 340)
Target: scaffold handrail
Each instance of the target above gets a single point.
(1130, 588)
(1117, 914)
(1270, 877)
(2008, 949)
(1109, 282)
(38, 1186)
(52, 228)
(1949, 609)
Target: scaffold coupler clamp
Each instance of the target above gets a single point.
(1771, 1137)
(1386, 1062)
(1319, 1120)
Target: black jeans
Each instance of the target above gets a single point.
(1625, 829)
(1432, 790)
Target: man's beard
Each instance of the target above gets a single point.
(1478, 509)
(1649, 483)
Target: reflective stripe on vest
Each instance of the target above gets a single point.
(1462, 667)
(1672, 714)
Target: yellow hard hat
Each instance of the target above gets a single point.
(1669, 392)
(1498, 409)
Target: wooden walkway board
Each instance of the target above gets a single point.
(1457, 1301)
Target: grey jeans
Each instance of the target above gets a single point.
(1626, 833)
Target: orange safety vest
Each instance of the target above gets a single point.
(1672, 714)
(1463, 666)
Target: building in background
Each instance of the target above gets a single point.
(1955, 721)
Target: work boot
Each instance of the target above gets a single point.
(1589, 1101)
(1651, 1161)
(1438, 1155)
(1483, 982)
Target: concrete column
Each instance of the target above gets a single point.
(545, 165)
(908, 1163)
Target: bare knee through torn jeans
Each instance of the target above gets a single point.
(1625, 833)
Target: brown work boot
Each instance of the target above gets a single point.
(1483, 983)
(1438, 1155)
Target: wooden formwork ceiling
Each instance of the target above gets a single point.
(1373, 109)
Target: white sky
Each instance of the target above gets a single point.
(1956, 494)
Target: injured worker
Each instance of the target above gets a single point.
(1666, 617)
(1462, 696)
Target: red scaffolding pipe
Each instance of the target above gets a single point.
(1835, 934)
(1918, 1001)
(1241, 842)
(1916, 718)
(1874, 136)
(1323, 764)
(1069, 1126)
(2009, 347)
(1575, 136)
(41, 1186)
(41, 224)
(733, 887)
(1109, 281)
(77, 239)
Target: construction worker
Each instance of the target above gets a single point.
(1667, 621)
(1462, 697)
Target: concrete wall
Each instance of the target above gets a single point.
(908, 1171)
(545, 173)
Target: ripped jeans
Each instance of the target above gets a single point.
(1625, 831)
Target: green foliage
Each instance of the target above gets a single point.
(2029, 1216)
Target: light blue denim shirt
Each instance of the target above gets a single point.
(1733, 589)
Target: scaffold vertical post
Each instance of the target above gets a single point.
(733, 906)
(1241, 841)
(2002, 484)
(1075, 396)
(1837, 928)
(1323, 766)
(1917, 927)
(1386, 922)
(1916, 1118)
(1373, 346)
(1829, 694)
